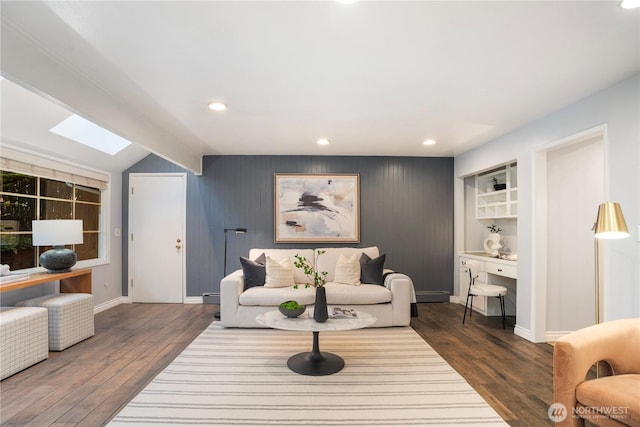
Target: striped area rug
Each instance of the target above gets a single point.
(239, 377)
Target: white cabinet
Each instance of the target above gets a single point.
(497, 193)
(493, 271)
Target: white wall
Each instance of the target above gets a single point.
(107, 279)
(619, 108)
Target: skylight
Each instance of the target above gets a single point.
(90, 134)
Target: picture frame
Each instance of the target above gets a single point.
(314, 208)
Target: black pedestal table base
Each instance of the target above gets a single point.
(315, 363)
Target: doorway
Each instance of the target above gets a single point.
(570, 185)
(157, 207)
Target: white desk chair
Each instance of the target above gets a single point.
(481, 289)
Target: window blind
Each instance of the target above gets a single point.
(32, 164)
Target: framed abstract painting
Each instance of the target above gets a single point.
(317, 208)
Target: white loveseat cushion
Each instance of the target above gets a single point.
(339, 293)
(259, 295)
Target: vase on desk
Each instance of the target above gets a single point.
(492, 244)
(320, 313)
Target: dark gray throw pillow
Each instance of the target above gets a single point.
(254, 272)
(371, 269)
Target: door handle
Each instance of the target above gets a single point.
(178, 246)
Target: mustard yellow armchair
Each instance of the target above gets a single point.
(612, 399)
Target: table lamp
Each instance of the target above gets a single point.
(57, 233)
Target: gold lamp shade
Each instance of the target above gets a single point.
(610, 223)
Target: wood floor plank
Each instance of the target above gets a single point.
(89, 383)
(514, 375)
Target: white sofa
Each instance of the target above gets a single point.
(389, 303)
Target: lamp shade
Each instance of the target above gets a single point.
(610, 223)
(57, 232)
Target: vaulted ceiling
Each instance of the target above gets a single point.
(374, 77)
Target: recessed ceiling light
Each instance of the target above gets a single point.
(217, 106)
(81, 130)
(323, 141)
(630, 4)
(429, 142)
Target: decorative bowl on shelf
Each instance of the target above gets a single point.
(291, 308)
(499, 186)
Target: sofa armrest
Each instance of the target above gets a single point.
(391, 275)
(401, 288)
(615, 342)
(231, 287)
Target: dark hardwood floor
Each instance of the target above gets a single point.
(514, 375)
(87, 384)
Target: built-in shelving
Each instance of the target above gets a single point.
(492, 203)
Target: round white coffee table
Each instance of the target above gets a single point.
(314, 362)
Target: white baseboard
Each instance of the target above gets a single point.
(457, 300)
(551, 336)
(524, 333)
(126, 300)
(110, 304)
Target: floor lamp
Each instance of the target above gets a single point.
(240, 230)
(610, 224)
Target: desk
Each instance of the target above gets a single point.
(74, 281)
(493, 271)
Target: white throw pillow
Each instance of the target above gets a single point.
(278, 274)
(347, 270)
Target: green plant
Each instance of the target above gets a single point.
(494, 228)
(15, 243)
(291, 305)
(319, 279)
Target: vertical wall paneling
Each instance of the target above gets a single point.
(406, 209)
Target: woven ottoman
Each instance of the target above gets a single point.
(70, 317)
(23, 338)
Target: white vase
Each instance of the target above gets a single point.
(492, 244)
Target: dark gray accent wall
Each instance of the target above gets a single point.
(406, 209)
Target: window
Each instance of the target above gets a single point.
(25, 197)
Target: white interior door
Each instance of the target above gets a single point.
(157, 206)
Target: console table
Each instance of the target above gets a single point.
(74, 281)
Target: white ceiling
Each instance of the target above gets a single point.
(375, 77)
(27, 118)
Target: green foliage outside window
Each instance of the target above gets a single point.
(24, 198)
